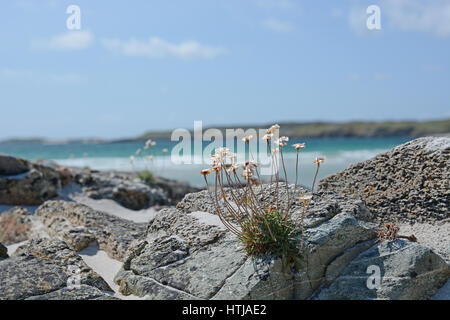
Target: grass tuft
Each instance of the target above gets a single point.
(277, 237)
(146, 177)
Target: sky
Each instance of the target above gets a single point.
(136, 66)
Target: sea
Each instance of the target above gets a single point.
(162, 158)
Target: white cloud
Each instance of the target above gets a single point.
(278, 26)
(38, 78)
(71, 40)
(419, 15)
(158, 48)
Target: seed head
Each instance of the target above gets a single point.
(205, 172)
(273, 128)
(319, 160)
(298, 146)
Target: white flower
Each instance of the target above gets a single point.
(319, 160)
(282, 141)
(273, 128)
(298, 146)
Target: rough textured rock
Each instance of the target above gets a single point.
(15, 225)
(408, 271)
(175, 190)
(84, 292)
(3, 251)
(41, 267)
(409, 183)
(79, 225)
(26, 183)
(129, 191)
(10, 166)
(189, 255)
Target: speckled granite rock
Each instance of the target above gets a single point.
(84, 292)
(79, 225)
(15, 225)
(408, 271)
(41, 267)
(128, 190)
(10, 166)
(408, 183)
(189, 255)
(26, 183)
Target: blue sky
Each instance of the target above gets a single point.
(147, 65)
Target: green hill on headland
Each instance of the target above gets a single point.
(347, 129)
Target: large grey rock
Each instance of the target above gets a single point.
(26, 183)
(189, 255)
(79, 225)
(408, 271)
(15, 225)
(84, 292)
(127, 190)
(408, 183)
(41, 267)
(10, 166)
(3, 251)
(184, 255)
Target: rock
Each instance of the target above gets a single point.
(408, 183)
(186, 255)
(183, 255)
(78, 238)
(175, 190)
(65, 175)
(79, 225)
(44, 266)
(26, 183)
(128, 191)
(3, 251)
(10, 166)
(15, 225)
(322, 245)
(84, 292)
(408, 271)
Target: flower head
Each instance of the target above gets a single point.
(165, 150)
(282, 141)
(298, 146)
(247, 173)
(267, 137)
(138, 151)
(319, 160)
(205, 172)
(247, 139)
(273, 128)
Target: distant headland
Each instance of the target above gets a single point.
(317, 129)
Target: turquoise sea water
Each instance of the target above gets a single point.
(339, 153)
